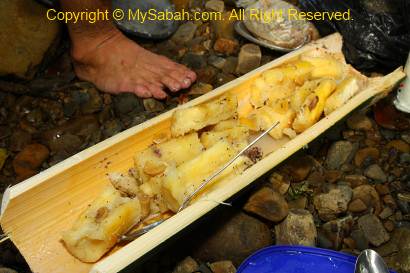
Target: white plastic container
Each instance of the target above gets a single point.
(402, 101)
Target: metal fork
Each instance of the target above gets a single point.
(188, 199)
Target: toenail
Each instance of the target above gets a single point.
(187, 81)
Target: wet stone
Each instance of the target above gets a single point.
(361, 241)
(268, 204)
(337, 230)
(359, 122)
(368, 154)
(187, 265)
(19, 139)
(298, 228)
(153, 105)
(249, 58)
(226, 46)
(194, 61)
(278, 183)
(244, 233)
(216, 61)
(376, 173)
(338, 154)
(200, 89)
(373, 229)
(94, 102)
(230, 65)
(222, 267)
(215, 5)
(126, 103)
(399, 145)
(185, 33)
(330, 204)
(112, 127)
(27, 162)
(298, 168)
(223, 78)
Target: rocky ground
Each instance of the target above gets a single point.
(349, 190)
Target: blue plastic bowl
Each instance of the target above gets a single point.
(298, 259)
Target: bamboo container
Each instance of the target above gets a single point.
(36, 211)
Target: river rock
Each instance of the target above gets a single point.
(357, 205)
(224, 28)
(249, 58)
(216, 61)
(184, 33)
(337, 230)
(126, 103)
(355, 180)
(187, 265)
(222, 267)
(200, 88)
(25, 36)
(194, 61)
(330, 204)
(19, 139)
(368, 195)
(298, 168)
(27, 162)
(244, 233)
(226, 46)
(268, 204)
(373, 229)
(278, 183)
(376, 173)
(338, 154)
(94, 102)
(152, 105)
(215, 5)
(369, 154)
(359, 122)
(298, 228)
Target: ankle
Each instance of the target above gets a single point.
(83, 45)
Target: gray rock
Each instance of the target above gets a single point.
(24, 42)
(244, 233)
(338, 154)
(376, 173)
(337, 230)
(386, 213)
(249, 58)
(405, 158)
(187, 265)
(361, 241)
(222, 267)
(330, 204)
(216, 61)
(112, 127)
(373, 229)
(406, 137)
(215, 5)
(94, 102)
(185, 33)
(194, 61)
(126, 103)
(298, 228)
(230, 65)
(153, 105)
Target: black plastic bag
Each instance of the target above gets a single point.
(377, 37)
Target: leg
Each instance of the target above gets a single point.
(114, 63)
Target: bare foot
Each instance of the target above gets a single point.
(116, 64)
